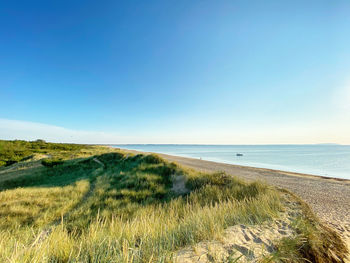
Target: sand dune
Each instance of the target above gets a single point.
(244, 243)
(328, 197)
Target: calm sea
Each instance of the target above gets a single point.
(324, 160)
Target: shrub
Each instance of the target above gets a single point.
(153, 159)
(51, 162)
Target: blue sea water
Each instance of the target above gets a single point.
(323, 160)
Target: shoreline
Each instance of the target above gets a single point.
(266, 169)
(329, 198)
(347, 181)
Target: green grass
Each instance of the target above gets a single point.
(111, 207)
(15, 151)
(38, 206)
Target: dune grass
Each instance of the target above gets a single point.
(313, 242)
(113, 207)
(38, 206)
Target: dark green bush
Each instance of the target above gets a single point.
(51, 162)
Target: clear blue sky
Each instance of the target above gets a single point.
(175, 71)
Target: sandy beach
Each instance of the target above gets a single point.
(328, 197)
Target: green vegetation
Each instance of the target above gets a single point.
(51, 162)
(15, 151)
(103, 206)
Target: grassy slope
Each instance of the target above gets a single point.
(111, 207)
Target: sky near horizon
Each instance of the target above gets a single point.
(210, 72)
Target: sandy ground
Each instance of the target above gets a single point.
(244, 243)
(328, 197)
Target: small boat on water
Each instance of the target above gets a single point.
(239, 154)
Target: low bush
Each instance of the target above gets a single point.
(51, 162)
(152, 159)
